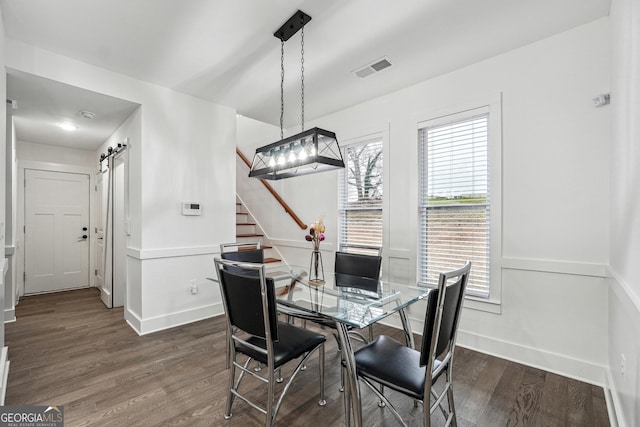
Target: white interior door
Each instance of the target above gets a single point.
(56, 231)
(111, 234)
(119, 233)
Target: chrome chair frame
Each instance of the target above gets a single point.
(236, 342)
(436, 355)
(232, 251)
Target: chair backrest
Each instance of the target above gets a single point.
(249, 299)
(444, 306)
(235, 252)
(356, 282)
(358, 264)
(356, 248)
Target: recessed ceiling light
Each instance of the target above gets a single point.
(68, 126)
(87, 114)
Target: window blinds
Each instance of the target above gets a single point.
(454, 199)
(360, 204)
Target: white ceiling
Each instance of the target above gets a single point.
(43, 105)
(225, 51)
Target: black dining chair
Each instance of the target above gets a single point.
(388, 363)
(255, 332)
(349, 268)
(241, 252)
(354, 266)
(358, 261)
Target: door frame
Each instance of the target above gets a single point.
(20, 220)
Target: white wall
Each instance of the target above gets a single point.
(11, 235)
(553, 311)
(624, 268)
(186, 153)
(52, 154)
(3, 178)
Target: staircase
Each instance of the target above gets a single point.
(248, 231)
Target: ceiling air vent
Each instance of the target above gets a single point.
(372, 68)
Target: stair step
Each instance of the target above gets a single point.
(245, 223)
(250, 248)
(268, 260)
(250, 235)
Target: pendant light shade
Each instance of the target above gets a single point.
(314, 150)
(310, 151)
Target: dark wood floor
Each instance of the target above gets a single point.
(67, 349)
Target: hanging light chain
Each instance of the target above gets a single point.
(281, 89)
(302, 72)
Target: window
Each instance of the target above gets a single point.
(360, 192)
(455, 199)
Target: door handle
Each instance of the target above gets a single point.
(83, 238)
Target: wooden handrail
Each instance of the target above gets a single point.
(275, 194)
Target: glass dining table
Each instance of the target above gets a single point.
(350, 302)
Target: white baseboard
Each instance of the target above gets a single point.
(159, 323)
(9, 315)
(105, 296)
(4, 374)
(133, 320)
(560, 364)
(613, 403)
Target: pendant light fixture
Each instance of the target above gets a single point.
(310, 151)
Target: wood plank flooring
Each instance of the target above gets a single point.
(67, 349)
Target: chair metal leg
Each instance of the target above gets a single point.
(452, 406)
(347, 402)
(230, 395)
(322, 400)
(350, 379)
(271, 398)
(406, 326)
(381, 403)
(386, 401)
(228, 339)
(427, 416)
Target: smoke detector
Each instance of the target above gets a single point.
(86, 114)
(372, 68)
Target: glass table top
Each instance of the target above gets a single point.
(352, 300)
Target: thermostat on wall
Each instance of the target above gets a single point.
(190, 208)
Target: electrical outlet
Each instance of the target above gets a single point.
(622, 364)
(194, 286)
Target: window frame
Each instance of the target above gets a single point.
(461, 112)
(353, 142)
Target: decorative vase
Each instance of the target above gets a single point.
(316, 270)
